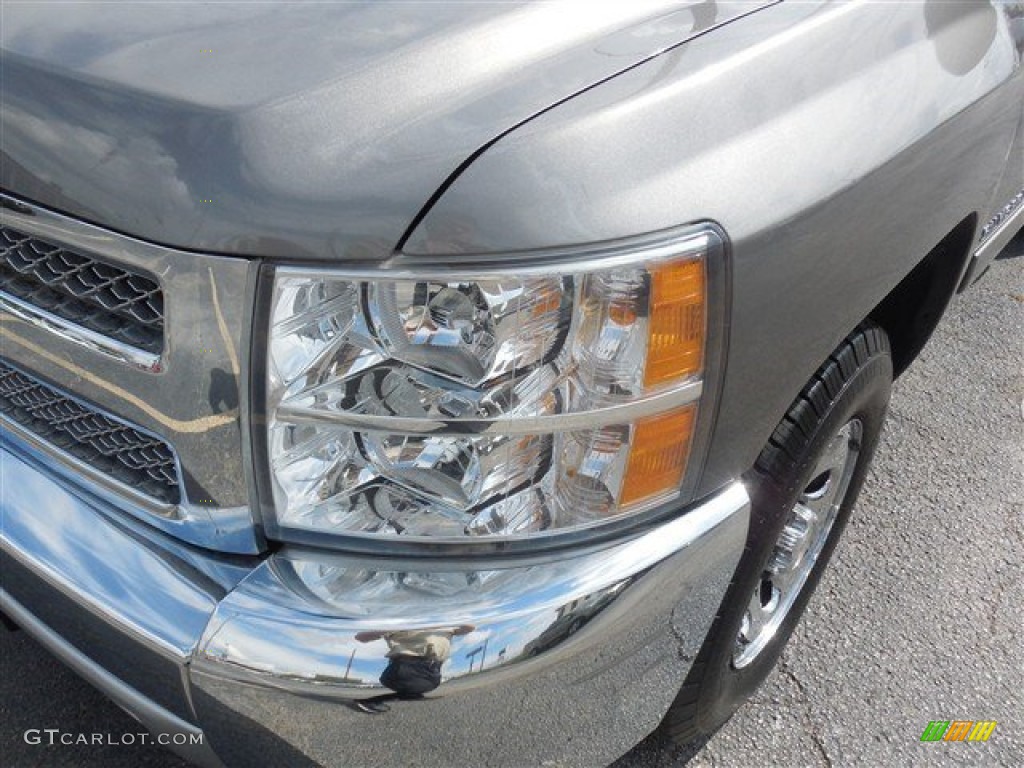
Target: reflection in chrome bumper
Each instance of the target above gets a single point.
(568, 660)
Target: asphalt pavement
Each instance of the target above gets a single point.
(917, 619)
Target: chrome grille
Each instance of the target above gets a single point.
(81, 289)
(111, 446)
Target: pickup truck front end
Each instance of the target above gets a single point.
(584, 579)
(466, 383)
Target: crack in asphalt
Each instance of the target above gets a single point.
(808, 721)
(680, 637)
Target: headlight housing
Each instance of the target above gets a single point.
(552, 393)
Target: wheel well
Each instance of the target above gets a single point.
(912, 309)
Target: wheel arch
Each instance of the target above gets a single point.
(911, 311)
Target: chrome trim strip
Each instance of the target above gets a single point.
(1005, 227)
(76, 334)
(996, 222)
(619, 413)
(153, 717)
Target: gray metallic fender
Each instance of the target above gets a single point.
(835, 143)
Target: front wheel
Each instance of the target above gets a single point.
(802, 488)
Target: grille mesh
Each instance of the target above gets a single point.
(110, 300)
(113, 447)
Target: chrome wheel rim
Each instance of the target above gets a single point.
(800, 544)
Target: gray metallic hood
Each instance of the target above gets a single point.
(292, 130)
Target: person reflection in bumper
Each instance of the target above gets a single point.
(415, 658)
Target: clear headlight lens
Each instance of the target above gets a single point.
(509, 403)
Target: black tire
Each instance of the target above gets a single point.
(852, 385)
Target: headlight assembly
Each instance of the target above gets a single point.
(517, 401)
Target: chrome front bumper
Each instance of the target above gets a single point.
(557, 660)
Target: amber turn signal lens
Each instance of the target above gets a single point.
(675, 341)
(657, 455)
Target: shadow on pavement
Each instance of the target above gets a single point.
(1014, 249)
(658, 751)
